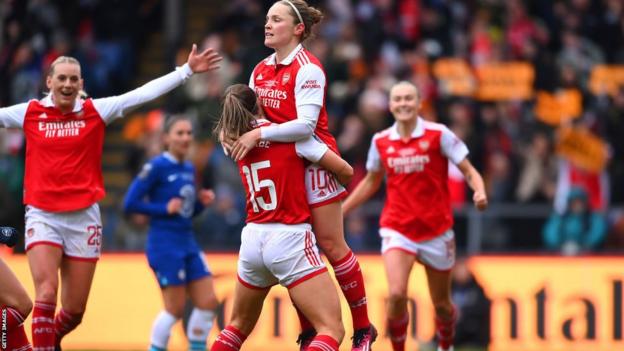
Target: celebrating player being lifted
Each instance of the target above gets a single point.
(416, 222)
(277, 244)
(291, 86)
(63, 182)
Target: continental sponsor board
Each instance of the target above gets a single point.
(539, 304)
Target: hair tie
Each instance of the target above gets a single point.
(296, 11)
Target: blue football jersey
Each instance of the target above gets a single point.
(160, 180)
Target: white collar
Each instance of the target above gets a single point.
(169, 156)
(418, 131)
(47, 102)
(288, 60)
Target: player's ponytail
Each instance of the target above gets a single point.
(239, 111)
(304, 13)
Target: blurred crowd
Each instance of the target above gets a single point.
(365, 46)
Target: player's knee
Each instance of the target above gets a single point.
(209, 302)
(176, 311)
(46, 292)
(334, 247)
(24, 305)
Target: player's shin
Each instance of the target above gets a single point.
(198, 328)
(161, 331)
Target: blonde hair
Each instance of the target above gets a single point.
(240, 107)
(301, 11)
(408, 83)
(62, 59)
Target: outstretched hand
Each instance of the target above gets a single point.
(207, 60)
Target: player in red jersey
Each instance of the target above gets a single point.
(416, 222)
(291, 86)
(63, 182)
(15, 305)
(277, 245)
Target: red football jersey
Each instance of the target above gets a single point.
(63, 157)
(417, 195)
(298, 80)
(273, 177)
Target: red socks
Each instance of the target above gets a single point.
(323, 343)
(398, 331)
(43, 326)
(230, 339)
(15, 338)
(64, 323)
(351, 281)
(445, 330)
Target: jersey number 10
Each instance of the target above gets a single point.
(254, 184)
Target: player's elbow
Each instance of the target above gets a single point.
(345, 174)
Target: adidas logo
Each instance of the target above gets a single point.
(43, 116)
(390, 149)
(259, 77)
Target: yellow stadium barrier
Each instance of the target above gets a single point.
(539, 303)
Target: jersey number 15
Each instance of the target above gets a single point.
(254, 184)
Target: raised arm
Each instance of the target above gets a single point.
(116, 106)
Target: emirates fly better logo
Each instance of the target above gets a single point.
(61, 129)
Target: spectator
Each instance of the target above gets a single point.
(578, 229)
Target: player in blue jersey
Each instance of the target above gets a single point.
(165, 191)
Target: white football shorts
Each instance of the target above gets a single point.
(437, 253)
(273, 253)
(322, 187)
(77, 233)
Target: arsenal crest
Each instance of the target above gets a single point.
(424, 145)
(285, 78)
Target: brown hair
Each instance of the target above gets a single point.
(171, 120)
(62, 59)
(310, 15)
(240, 107)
